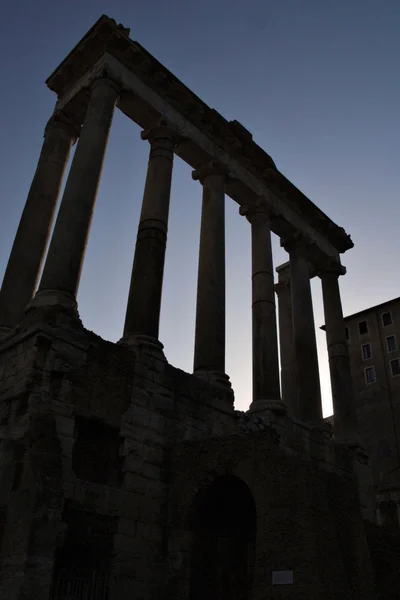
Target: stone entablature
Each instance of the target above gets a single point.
(207, 135)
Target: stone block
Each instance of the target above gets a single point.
(127, 527)
(149, 531)
(133, 464)
(65, 425)
(124, 504)
(123, 543)
(152, 471)
(134, 483)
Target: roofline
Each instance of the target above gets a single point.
(371, 308)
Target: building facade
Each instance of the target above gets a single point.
(120, 475)
(373, 337)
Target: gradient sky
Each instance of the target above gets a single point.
(315, 81)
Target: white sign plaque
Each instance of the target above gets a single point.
(282, 577)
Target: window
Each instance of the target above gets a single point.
(395, 367)
(387, 319)
(346, 330)
(363, 327)
(366, 351)
(370, 375)
(391, 343)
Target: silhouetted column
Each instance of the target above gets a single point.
(144, 302)
(33, 232)
(286, 342)
(209, 346)
(308, 406)
(266, 391)
(345, 425)
(62, 270)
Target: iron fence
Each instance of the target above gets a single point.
(93, 586)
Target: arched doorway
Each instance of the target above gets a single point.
(223, 521)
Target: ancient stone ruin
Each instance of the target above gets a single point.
(121, 476)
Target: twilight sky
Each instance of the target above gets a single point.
(315, 81)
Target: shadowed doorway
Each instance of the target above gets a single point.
(223, 521)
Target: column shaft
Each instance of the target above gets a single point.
(65, 258)
(209, 348)
(144, 300)
(309, 407)
(266, 391)
(344, 407)
(33, 232)
(286, 344)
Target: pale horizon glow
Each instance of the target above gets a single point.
(315, 82)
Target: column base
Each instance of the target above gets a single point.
(276, 406)
(57, 309)
(144, 344)
(214, 378)
(53, 298)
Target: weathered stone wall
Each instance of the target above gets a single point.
(120, 442)
(308, 517)
(139, 406)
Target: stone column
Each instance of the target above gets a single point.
(144, 301)
(209, 346)
(345, 424)
(308, 405)
(62, 270)
(33, 232)
(286, 342)
(266, 391)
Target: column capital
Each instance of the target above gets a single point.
(331, 267)
(105, 78)
(62, 121)
(297, 241)
(283, 271)
(259, 208)
(161, 130)
(211, 168)
(103, 73)
(282, 285)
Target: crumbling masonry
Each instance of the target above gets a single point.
(121, 476)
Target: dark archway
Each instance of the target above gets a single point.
(223, 520)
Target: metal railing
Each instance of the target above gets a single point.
(93, 586)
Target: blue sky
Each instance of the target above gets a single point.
(315, 81)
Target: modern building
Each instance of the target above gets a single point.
(373, 337)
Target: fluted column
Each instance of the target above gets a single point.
(345, 425)
(209, 346)
(62, 270)
(308, 405)
(27, 254)
(266, 391)
(144, 302)
(286, 342)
